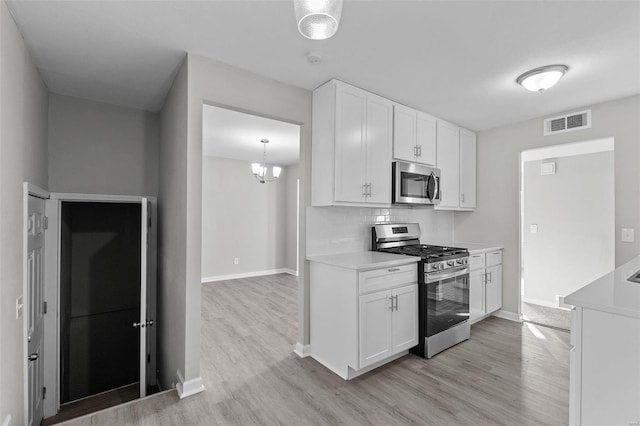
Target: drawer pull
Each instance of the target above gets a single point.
(393, 269)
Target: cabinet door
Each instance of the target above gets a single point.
(405, 318)
(379, 135)
(448, 161)
(350, 144)
(476, 294)
(404, 133)
(426, 139)
(493, 289)
(467, 169)
(375, 327)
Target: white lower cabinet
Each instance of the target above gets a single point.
(485, 284)
(388, 323)
(604, 385)
(361, 319)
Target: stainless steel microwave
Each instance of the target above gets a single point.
(415, 184)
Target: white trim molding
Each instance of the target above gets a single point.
(249, 275)
(301, 350)
(508, 315)
(189, 387)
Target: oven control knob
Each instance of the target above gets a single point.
(459, 261)
(450, 262)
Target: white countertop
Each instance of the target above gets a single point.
(363, 260)
(612, 292)
(473, 248)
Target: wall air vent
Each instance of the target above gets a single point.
(565, 123)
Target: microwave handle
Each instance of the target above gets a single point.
(436, 190)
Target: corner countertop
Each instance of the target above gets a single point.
(474, 248)
(363, 260)
(612, 292)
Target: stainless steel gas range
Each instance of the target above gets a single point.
(443, 286)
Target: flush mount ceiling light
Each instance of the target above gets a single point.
(542, 78)
(261, 170)
(318, 19)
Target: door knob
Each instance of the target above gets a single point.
(33, 357)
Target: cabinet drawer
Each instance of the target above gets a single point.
(476, 261)
(386, 278)
(494, 258)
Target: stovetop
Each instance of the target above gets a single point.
(429, 253)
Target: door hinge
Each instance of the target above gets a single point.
(44, 307)
(45, 222)
(148, 358)
(149, 222)
(44, 393)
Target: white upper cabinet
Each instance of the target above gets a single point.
(449, 164)
(378, 148)
(414, 136)
(467, 169)
(351, 146)
(456, 159)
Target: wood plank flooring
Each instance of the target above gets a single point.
(94, 403)
(506, 374)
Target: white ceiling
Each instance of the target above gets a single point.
(236, 135)
(457, 60)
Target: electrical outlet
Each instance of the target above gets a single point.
(19, 307)
(236, 260)
(628, 235)
(533, 228)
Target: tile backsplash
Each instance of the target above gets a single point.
(347, 229)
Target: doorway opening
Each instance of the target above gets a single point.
(567, 225)
(101, 284)
(249, 228)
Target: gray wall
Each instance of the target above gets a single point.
(172, 194)
(242, 218)
(102, 149)
(23, 157)
(222, 85)
(497, 217)
(574, 210)
(292, 174)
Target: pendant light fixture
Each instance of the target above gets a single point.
(261, 170)
(542, 78)
(318, 19)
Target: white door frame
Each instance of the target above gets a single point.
(27, 190)
(552, 151)
(52, 287)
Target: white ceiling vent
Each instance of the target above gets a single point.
(565, 123)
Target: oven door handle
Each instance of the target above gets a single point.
(431, 278)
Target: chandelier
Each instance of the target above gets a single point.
(261, 170)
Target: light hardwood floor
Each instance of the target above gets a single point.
(506, 374)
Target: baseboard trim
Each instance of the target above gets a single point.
(508, 315)
(301, 350)
(6, 420)
(189, 387)
(249, 275)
